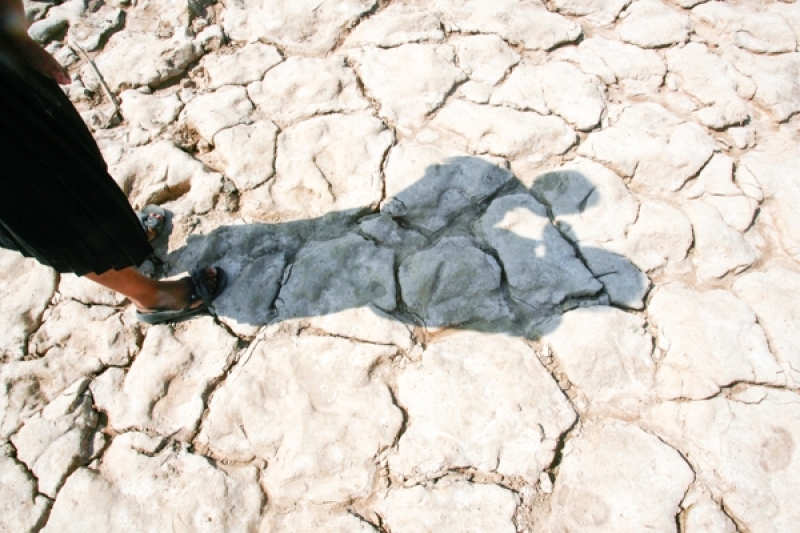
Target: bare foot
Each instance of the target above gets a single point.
(151, 232)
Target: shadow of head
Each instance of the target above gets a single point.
(467, 245)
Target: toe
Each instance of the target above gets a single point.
(152, 227)
(211, 278)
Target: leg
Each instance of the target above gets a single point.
(145, 293)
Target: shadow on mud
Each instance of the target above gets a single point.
(467, 246)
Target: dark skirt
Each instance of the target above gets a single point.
(58, 204)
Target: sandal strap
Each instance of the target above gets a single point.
(152, 217)
(149, 221)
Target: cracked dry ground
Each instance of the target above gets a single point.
(497, 266)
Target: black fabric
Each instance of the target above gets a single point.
(58, 203)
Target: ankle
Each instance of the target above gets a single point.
(145, 303)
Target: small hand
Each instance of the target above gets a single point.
(37, 58)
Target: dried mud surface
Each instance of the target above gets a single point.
(496, 266)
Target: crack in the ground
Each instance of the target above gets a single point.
(430, 114)
(215, 384)
(384, 163)
(728, 390)
(374, 103)
(377, 523)
(740, 527)
(692, 178)
(303, 329)
(740, 385)
(344, 33)
(575, 245)
(41, 319)
(689, 464)
(42, 521)
(558, 451)
(392, 387)
(15, 457)
(516, 306)
(676, 449)
(769, 342)
(455, 473)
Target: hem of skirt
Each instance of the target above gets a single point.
(103, 269)
(82, 271)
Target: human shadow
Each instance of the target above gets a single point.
(466, 246)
